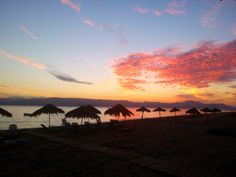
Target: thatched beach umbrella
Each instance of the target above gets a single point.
(158, 109)
(174, 110)
(215, 110)
(83, 112)
(5, 113)
(48, 109)
(143, 109)
(93, 109)
(117, 110)
(193, 111)
(205, 110)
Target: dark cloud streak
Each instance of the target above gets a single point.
(67, 78)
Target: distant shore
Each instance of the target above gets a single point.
(108, 103)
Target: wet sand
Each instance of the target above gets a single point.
(178, 146)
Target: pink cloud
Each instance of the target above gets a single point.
(88, 22)
(141, 10)
(27, 31)
(234, 29)
(199, 67)
(92, 23)
(172, 8)
(116, 31)
(209, 18)
(24, 60)
(71, 4)
(175, 8)
(27, 61)
(157, 12)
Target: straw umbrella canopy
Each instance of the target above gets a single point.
(93, 109)
(205, 110)
(143, 109)
(193, 111)
(83, 112)
(117, 110)
(158, 109)
(48, 109)
(5, 113)
(215, 110)
(174, 110)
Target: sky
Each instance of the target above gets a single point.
(137, 50)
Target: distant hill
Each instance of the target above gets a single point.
(107, 103)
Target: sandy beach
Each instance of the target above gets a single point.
(176, 146)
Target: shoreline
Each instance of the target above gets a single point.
(105, 121)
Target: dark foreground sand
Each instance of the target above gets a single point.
(203, 146)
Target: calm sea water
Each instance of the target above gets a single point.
(34, 122)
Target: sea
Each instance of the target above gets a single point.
(24, 122)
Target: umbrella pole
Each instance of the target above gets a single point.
(142, 114)
(48, 120)
(159, 113)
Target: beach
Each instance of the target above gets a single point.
(202, 145)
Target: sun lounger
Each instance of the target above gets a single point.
(75, 125)
(12, 127)
(114, 122)
(12, 131)
(65, 123)
(42, 125)
(87, 124)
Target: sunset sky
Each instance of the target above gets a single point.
(138, 50)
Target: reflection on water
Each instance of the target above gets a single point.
(34, 122)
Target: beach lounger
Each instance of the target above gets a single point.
(65, 123)
(75, 125)
(116, 123)
(11, 133)
(42, 125)
(12, 127)
(87, 124)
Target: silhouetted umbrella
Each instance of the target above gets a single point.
(174, 110)
(206, 110)
(84, 112)
(48, 109)
(215, 110)
(93, 109)
(143, 109)
(158, 109)
(4, 112)
(117, 110)
(193, 111)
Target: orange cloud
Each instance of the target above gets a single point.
(71, 4)
(206, 63)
